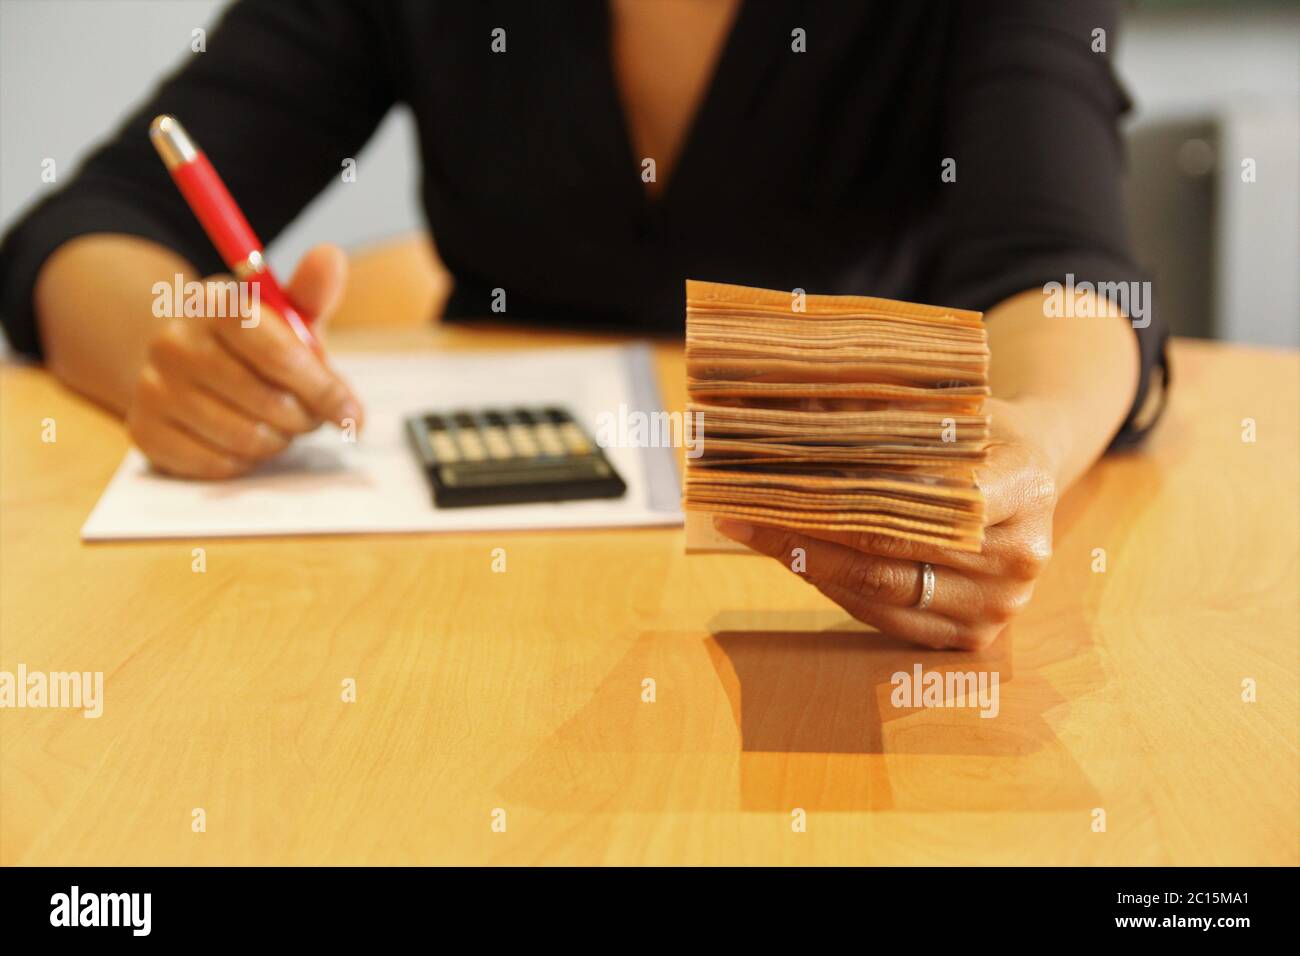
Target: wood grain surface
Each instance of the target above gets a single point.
(523, 691)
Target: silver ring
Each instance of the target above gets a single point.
(927, 587)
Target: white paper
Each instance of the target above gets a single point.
(324, 485)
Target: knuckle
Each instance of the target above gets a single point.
(784, 545)
(1008, 603)
(286, 361)
(269, 398)
(227, 468)
(260, 397)
(331, 394)
(269, 440)
(1030, 559)
(208, 351)
(773, 541)
(246, 441)
(223, 330)
(883, 544)
(170, 343)
(149, 388)
(869, 579)
(285, 411)
(976, 638)
(1042, 489)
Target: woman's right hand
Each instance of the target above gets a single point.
(216, 396)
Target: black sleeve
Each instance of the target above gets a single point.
(1033, 127)
(286, 90)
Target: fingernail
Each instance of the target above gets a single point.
(350, 410)
(735, 530)
(267, 435)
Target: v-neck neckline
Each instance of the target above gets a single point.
(721, 83)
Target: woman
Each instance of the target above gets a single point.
(586, 157)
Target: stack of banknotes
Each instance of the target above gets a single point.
(839, 413)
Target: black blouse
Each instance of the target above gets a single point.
(821, 169)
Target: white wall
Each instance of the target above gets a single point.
(69, 69)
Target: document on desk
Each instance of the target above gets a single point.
(326, 485)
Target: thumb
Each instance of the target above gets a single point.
(316, 288)
(318, 282)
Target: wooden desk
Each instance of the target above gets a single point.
(522, 690)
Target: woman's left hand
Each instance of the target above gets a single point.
(878, 578)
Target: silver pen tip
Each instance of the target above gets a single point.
(171, 141)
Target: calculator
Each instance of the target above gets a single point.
(499, 456)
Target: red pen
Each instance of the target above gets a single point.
(222, 220)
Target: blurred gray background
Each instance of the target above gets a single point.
(1213, 83)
